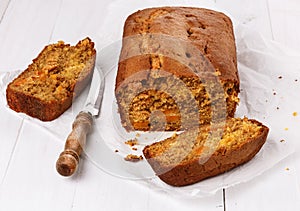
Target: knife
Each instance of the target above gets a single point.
(68, 160)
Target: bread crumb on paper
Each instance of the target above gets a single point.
(132, 142)
(287, 169)
(295, 113)
(133, 158)
(282, 140)
(280, 77)
(116, 150)
(286, 128)
(134, 148)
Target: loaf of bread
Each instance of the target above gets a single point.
(47, 87)
(159, 50)
(198, 154)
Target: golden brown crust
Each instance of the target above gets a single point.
(210, 31)
(47, 110)
(220, 161)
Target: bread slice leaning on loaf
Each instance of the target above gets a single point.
(196, 155)
(47, 87)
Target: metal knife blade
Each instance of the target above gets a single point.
(94, 98)
(68, 160)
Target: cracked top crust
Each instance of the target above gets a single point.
(209, 31)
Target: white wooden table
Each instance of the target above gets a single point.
(28, 180)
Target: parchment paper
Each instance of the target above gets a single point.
(270, 83)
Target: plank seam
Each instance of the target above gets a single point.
(77, 177)
(12, 153)
(270, 22)
(54, 25)
(224, 199)
(4, 12)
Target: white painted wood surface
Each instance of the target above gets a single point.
(10, 135)
(3, 6)
(28, 153)
(278, 189)
(285, 21)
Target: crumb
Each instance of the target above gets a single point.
(282, 140)
(274, 93)
(116, 150)
(286, 128)
(295, 113)
(280, 77)
(287, 169)
(133, 158)
(266, 101)
(296, 80)
(277, 108)
(137, 135)
(132, 142)
(134, 148)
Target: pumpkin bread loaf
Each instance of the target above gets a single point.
(171, 49)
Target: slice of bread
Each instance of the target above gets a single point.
(47, 87)
(195, 155)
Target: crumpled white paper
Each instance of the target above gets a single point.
(269, 93)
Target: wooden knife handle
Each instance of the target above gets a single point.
(68, 160)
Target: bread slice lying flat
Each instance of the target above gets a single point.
(47, 87)
(195, 155)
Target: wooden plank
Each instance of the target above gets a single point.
(79, 19)
(25, 29)
(250, 13)
(32, 182)
(278, 188)
(3, 6)
(10, 127)
(114, 193)
(284, 20)
(275, 190)
(285, 16)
